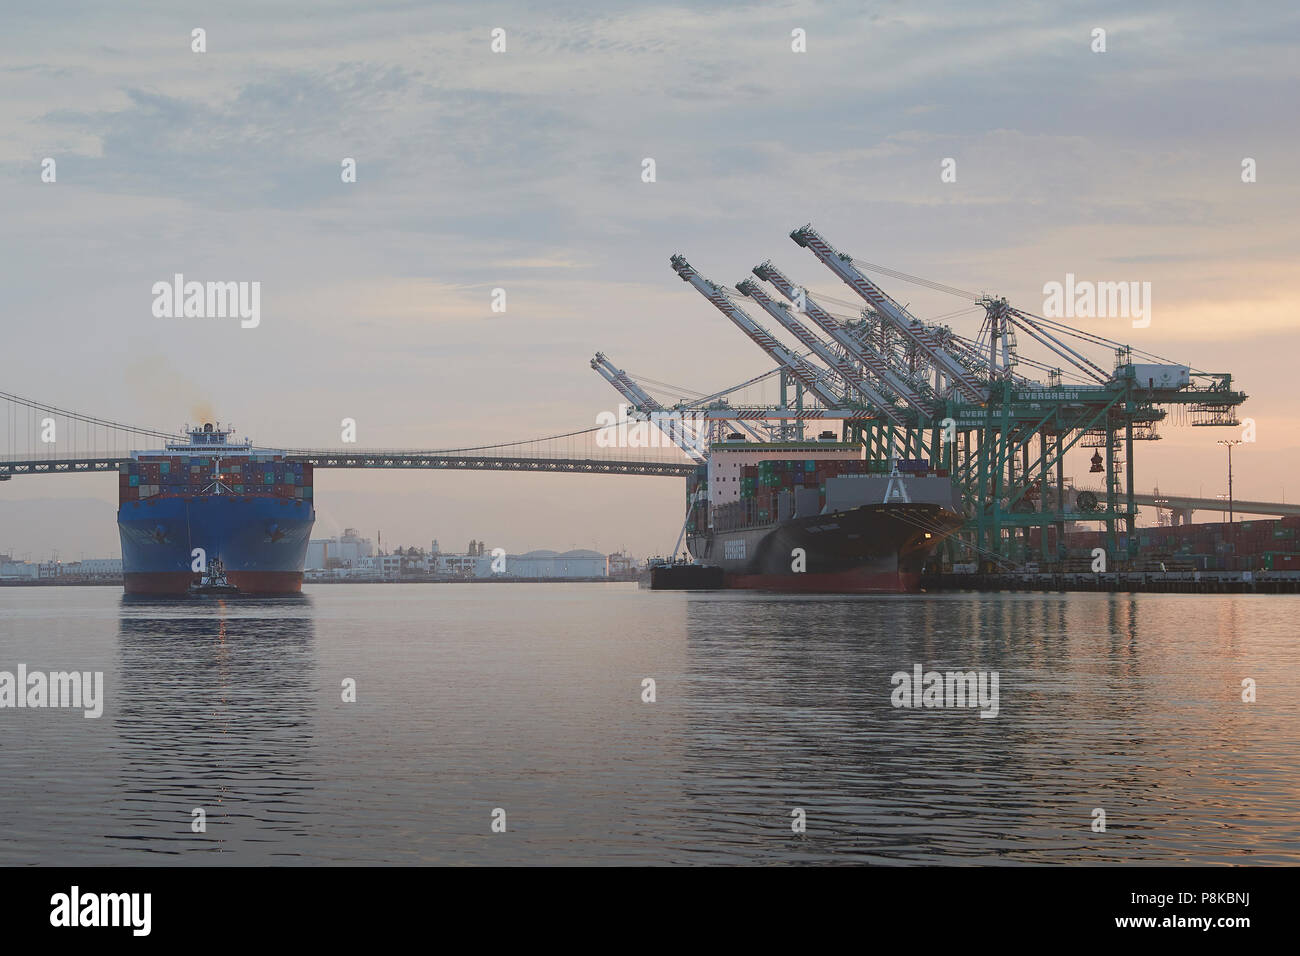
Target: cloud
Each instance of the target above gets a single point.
(522, 170)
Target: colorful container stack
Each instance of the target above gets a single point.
(1269, 544)
(175, 475)
(760, 484)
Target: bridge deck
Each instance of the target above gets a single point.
(75, 464)
(1193, 503)
(445, 461)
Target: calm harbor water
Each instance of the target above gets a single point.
(528, 698)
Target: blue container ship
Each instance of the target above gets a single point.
(212, 503)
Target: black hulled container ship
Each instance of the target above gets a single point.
(250, 513)
(817, 516)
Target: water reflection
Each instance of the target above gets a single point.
(1110, 701)
(215, 710)
(530, 698)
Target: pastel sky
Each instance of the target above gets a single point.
(522, 170)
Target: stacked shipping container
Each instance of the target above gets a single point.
(761, 484)
(186, 476)
(1270, 544)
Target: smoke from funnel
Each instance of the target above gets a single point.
(154, 382)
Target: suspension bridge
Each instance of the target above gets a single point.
(44, 439)
(92, 444)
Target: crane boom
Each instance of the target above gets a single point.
(642, 400)
(764, 339)
(796, 328)
(876, 363)
(625, 386)
(1082, 362)
(924, 339)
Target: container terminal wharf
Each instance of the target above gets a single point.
(1006, 412)
(1243, 556)
(309, 578)
(1169, 582)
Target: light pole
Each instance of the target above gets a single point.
(1229, 442)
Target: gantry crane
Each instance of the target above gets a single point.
(803, 371)
(1002, 435)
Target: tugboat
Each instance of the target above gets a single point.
(679, 574)
(213, 581)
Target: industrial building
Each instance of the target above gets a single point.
(549, 564)
(345, 551)
(351, 559)
(89, 570)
